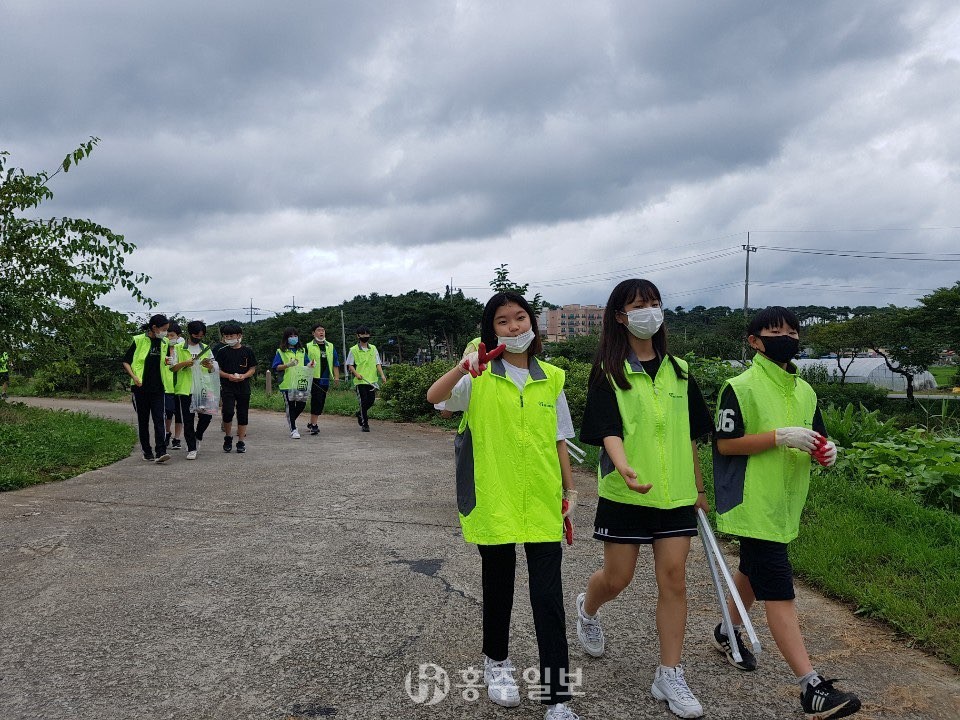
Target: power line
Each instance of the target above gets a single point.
(872, 255)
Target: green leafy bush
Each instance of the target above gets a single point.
(711, 373)
(405, 390)
(852, 425)
(914, 461)
(575, 386)
(870, 396)
(53, 377)
(815, 374)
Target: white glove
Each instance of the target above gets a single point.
(800, 438)
(571, 497)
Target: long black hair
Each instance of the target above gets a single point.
(488, 335)
(614, 348)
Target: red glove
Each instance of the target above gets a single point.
(825, 451)
(567, 525)
(476, 363)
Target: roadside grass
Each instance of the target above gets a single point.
(883, 553)
(23, 387)
(28, 457)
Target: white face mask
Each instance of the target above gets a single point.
(178, 341)
(517, 344)
(644, 322)
(160, 334)
(232, 341)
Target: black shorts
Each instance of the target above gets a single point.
(768, 567)
(618, 522)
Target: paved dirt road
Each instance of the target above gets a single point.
(308, 578)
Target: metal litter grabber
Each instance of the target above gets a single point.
(716, 560)
(578, 454)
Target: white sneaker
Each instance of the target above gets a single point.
(560, 712)
(295, 434)
(589, 632)
(192, 455)
(669, 684)
(501, 687)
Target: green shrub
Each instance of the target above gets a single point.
(914, 461)
(870, 396)
(815, 374)
(575, 386)
(852, 425)
(711, 373)
(405, 391)
(54, 376)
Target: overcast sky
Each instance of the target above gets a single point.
(320, 150)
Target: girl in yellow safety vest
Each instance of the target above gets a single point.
(645, 411)
(512, 473)
(142, 362)
(291, 353)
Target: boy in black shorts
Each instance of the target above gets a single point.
(237, 365)
(768, 426)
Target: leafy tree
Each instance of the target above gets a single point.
(52, 271)
(580, 348)
(840, 339)
(898, 336)
(502, 283)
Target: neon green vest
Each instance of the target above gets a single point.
(366, 363)
(768, 497)
(472, 347)
(313, 350)
(4, 359)
(184, 378)
(509, 487)
(170, 378)
(140, 353)
(656, 438)
(287, 356)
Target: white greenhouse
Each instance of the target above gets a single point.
(872, 370)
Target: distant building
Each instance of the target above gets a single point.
(569, 321)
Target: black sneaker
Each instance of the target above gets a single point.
(241, 446)
(175, 444)
(722, 643)
(365, 428)
(162, 457)
(821, 700)
(314, 429)
(148, 456)
(227, 443)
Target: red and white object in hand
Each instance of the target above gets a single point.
(476, 363)
(825, 451)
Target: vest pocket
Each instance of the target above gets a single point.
(466, 485)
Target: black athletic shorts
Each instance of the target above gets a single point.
(618, 522)
(768, 567)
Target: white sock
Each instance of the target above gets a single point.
(805, 680)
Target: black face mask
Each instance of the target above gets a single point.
(364, 338)
(780, 348)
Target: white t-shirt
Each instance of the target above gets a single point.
(459, 399)
(195, 350)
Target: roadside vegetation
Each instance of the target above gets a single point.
(27, 457)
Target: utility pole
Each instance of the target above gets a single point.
(293, 305)
(252, 308)
(746, 277)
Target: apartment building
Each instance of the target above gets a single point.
(570, 321)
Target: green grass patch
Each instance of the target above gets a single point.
(945, 375)
(38, 445)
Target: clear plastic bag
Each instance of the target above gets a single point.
(301, 379)
(205, 390)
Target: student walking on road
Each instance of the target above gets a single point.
(363, 362)
(645, 411)
(142, 362)
(172, 413)
(326, 364)
(289, 355)
(189, 354)
(768, 426)
(513, 471)
(237, 365)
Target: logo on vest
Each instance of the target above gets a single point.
(545, 404)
